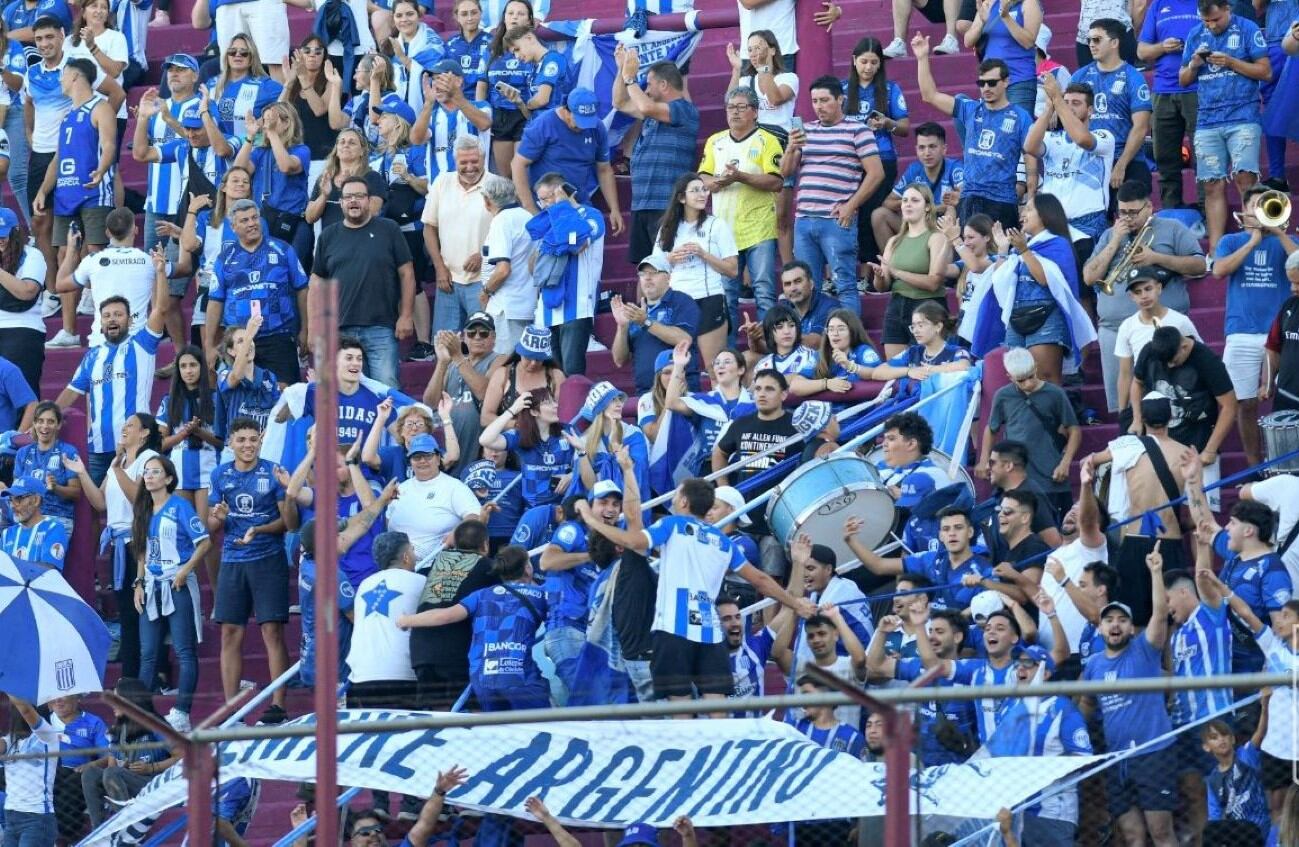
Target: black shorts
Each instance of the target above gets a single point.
(1191, 755)
(897, 319)
(279, 355)
(1147, 782)
(932, 10)
(640, 241)
(712, 313)
(1275, 773)
(37, 165)
(682, 668)
(259, 587)
(507, 124)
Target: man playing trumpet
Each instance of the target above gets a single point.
(1173, 251)
(1253, 261)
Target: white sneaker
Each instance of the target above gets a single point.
(949, 46)
(86, 306)
(63, 338)
(245, 684)
(897, 49)
(50, 305)
(179, 721)
(594, 346)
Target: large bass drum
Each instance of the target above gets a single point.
(941, 460)
(1280, 436)
(819, 496)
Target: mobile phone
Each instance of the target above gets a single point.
(255, 309)
(876, 113)
(796, 124)
(1204, 52)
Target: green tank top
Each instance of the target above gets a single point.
(912, 255)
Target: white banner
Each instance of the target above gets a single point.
(612, 773)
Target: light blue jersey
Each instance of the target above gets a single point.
(46, 542)
(1201, 647)
(174, 531)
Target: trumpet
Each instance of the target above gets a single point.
(1271, 211)
(1144, 237)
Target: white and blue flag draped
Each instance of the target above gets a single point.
(600, 668)
(52, 642)
(994, 299)
(667, 455)
(594, 67)
(949, 415)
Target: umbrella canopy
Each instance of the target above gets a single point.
(52, 642)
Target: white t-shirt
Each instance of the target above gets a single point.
(769, 115)
(31, 268)
(381, 651)
(1281, 495)
(841, 668)
(117, 272)
(113, 44)
(692, 275)
(426, 511)
(29, 783)
(1073, 556)
(1134, 334)
(1080, 178)
(118, 510)
(508, 240)
(777, 16)
(1277, 658)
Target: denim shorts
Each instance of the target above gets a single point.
(1217, 147)
(1053, 331)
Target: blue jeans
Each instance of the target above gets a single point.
(563, 644)
(452, 309)
(380, 346)
(97, 465)
(569, 341)
(184, 640)
(760, 259)
(821, 241)
(1023, 94)
(18, 159)
(29, 829)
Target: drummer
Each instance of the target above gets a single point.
(816, 421)
(906, 467)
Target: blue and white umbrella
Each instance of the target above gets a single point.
(53, 644)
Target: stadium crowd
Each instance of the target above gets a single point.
(458, 187)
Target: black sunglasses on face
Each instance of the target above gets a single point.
(477, 333)
(243, 54)
(989, 83)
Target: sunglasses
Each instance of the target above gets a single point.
(477, 333)
(373, 829)
(240, 52)
(989, 83)
(312, 51)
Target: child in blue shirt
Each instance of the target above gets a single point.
(1235, 787)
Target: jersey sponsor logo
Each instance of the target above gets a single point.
(987, 138)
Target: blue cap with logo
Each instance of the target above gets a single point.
(482, 475)
(597, 400)
(25, 486)
(585, 108)
(447, 66)
(8, 221)
(192, 119)
(423, 443)
(535, 344)
(181, 60)
(639, 833)
(606, 488)
(1037, 654)
(663, 361)
(396, 106)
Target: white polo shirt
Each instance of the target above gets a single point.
(29, 783)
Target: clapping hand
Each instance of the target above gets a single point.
(999, 239)
(800, 549)
(733, 56)
(681, 354)
(1017, 239)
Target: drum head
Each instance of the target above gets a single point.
(823, 521)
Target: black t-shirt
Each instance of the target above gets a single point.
(633, 605)
(316, 133)
(447, 647)
(1193, 388)
(748, 436)
(364, 260)
(333, 204)
(1043, 519)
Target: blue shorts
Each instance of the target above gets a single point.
(1223, 151)
(1053, 331)
(1147, 782)
(259, 587)
(534, 694)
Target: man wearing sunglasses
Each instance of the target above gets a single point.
(994, 131)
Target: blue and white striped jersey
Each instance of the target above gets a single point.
(174, 531)
(424, 50)
(133, 21)
(749, 666)
(46, 542)
(989, 710)
(579, 289)
(1201, 647)
(165, 180)
(840, 737)
(117, 380)
(694, 557)
(801, 360)
(444, 125)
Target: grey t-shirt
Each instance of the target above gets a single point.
(1013, 419)
(1170, 237)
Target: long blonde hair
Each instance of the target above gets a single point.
(333, 167)
(596, 432)
(255, 66)
(931, 210)
(290, 114)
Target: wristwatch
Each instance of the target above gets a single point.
(649, 322)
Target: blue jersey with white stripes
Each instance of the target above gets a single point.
(840, 737)
(1202, 647)
(165, 180)
(117, 380)
(989, 710)
(174, 171)
(35, 463)
(45, 542)
(194, 458)
(504, 630)
(749, 666)
(694, 558)
(959, 713)
(444, 125)
(174, 531)
(78, 157)
(252, 93)
(132, 18)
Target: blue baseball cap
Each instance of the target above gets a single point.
(1038, 654)
(180, 60)
(482, 475)
(25, 486)
(447, 66)
(192, 119)
(398, 107)
(639, 833)
(663, 360)
(8, 221)
(423, 443)
(534, 344)
(606, 488)
(584, 106)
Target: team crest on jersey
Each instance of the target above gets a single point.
(263, 486)
(56, 550)
(1081, 738)
(196, 525)
(987, 138)
(1143, 93)
(1008, 124)
(500, 589)
(1233, 41)
(273, 259)
(1119, 85)
(1101, 102)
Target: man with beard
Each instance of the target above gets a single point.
(1001, 635)
(953, 563)
(749, 651)
(1018, 574)
(1141, 795)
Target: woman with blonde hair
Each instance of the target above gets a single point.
(350, 157)
(605, 435)
(913, 266)
(242, 86)
(279, 161)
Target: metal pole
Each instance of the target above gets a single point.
(324, 329)
(724, 18)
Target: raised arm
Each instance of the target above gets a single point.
(1157, 628)
(929, 92)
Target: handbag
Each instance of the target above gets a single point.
(282, 224)
(1027, 320)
